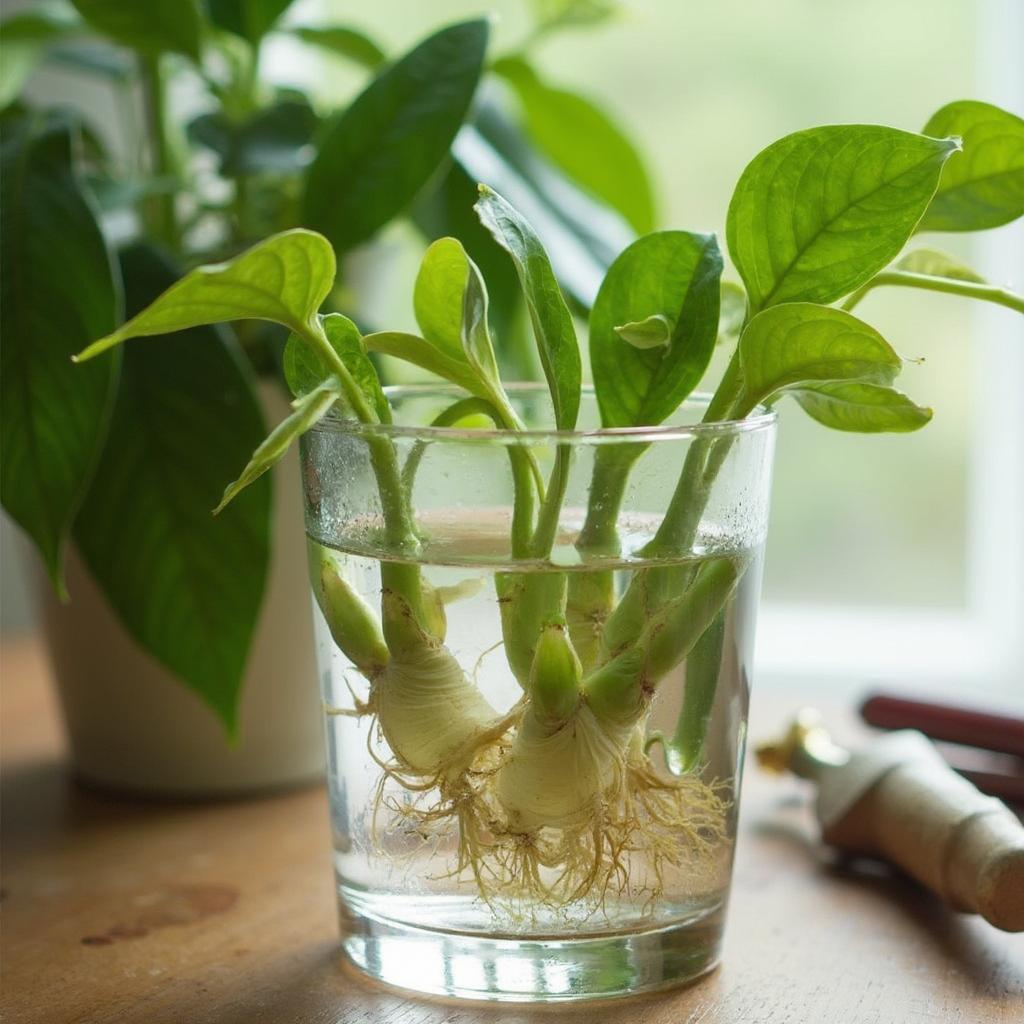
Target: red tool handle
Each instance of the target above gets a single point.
(1002, 734)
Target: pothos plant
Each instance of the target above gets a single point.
(125, 456)
(564, 780)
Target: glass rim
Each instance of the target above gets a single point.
(761, 419)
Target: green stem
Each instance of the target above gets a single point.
(399, 528)
(682, 517)
(621, 690)
(551, 507)
(949, 285)
(162, 214)
(612, 464)
(522, 482)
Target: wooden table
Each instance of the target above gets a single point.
(122, 911)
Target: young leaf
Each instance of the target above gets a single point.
(446, 210)
(982, 187)
(859, 406)
(283, 279)
(53, 416)
(26, 37)
(343, 41)
(450, 301)
(801, 343)
(934, 263)
(549, 315)
(668, 274)
(309, 410)
(594, 153)
(820, 211)
(155, 26)
(438, 295)
(654, 332)
(188, 587)
(305, 371)
(375, 157)
(250, 19)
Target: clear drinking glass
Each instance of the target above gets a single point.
(478, 881)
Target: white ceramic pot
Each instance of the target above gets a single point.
(133, 726)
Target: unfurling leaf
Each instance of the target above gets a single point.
(374, 158)
(819, 212)
(674, 274)
(654, 332)
(284, 279)
(982, 187)
(309, 410)
(549, 315)
(860, 407)
(801, 343)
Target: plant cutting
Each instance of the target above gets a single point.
(536, 608)
(137, 202)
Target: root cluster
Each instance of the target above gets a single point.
(637, 831)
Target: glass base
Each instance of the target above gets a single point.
(534, 969)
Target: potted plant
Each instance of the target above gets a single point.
(111, 469)
(537, 604)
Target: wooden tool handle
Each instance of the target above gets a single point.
(937, 827)
(987, 731)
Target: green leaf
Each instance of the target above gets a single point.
(438, 295)
(860, 407)
(733, 312)
(155, 26)
(982, 187)
(375, 157)
(800, 343)
(309, 410)
(581, 139)
(414, 349)
(58, 291)
(305, 371)
(96, 59)
(250, 19)
(934, 263)
(284, 279)
(819, 212)
(187, 586)
(581, 234)
(671, 274)
(445, 210)
(26, 38)
(654, 332)
(343, 41)
(275, 140)
(557, 14)
(549, 315)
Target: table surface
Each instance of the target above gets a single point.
(123, 911)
